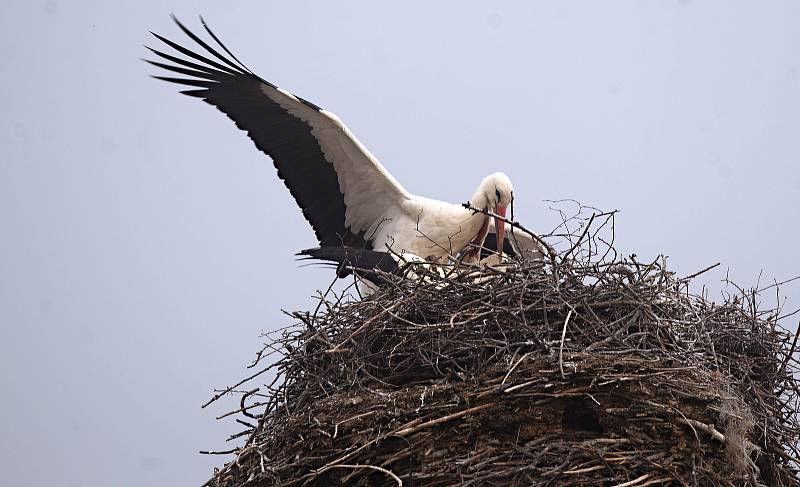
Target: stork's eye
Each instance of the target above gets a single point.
(497, 194)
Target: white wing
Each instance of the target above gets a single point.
(343, 191)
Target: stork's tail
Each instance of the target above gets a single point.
(363, 261)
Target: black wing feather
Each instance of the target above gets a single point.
(194, 55)
(189, 82)
(214, 36)
(205, 46)
(182, 62)
(297, 155)
(363, 262)
(184, 71)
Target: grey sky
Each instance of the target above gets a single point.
(146, 243)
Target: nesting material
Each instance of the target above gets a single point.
(594, 370)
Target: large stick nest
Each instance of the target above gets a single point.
(592, 370)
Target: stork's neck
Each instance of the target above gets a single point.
(480, 199)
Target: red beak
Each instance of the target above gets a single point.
(500, 226)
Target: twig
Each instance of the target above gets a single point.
(551, 252)
(692, 276)
(358, 467)
(580, 238)
(229, 389)
(222, 452)
(434, 422)
(707, 428)
(561, 346)
(635, 481)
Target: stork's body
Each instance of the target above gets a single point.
(430, 228)
(346, 195)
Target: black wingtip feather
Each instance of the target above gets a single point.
(195, 93)
(213, 76)
(360, 259)
(190, 82)
(182, 62)
(204, 45)
(216, 39)
(194, 55)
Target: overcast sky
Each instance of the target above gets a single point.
(146, 243)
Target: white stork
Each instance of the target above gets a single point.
(344, 192)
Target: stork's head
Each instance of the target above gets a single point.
(494, 194)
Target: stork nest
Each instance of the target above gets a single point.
(593, 369)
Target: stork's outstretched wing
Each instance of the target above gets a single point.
(344, 192)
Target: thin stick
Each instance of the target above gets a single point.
(634, 481)
(710, 429)
(434, 422)
(561, 346)
(229, 389)
(692, 276)
(580, 238)
(358, 467)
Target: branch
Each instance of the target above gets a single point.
(551, 252)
